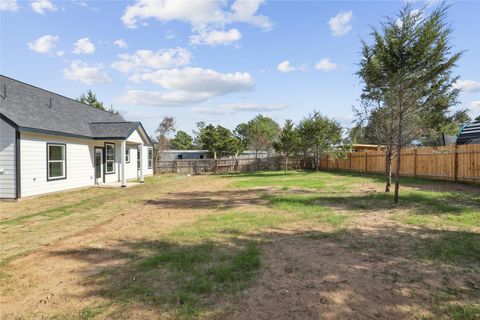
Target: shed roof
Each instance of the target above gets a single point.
(469, 134)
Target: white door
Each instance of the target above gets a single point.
(98, 165)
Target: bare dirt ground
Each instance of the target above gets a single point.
(306, 273)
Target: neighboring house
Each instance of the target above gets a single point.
(172, 155)
(469, 134)
(51, 143)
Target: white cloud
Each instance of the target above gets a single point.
(161, 99)
(44, 44)
(253, 107)
(215, 37)
(122, 44)
(239, 107)
(40, 6)
(199, 80)
(84, 45)
(146, 60)
(8, 5)
(474, 106)
(169, 34)
(326, 64)
(286, 67)
(89, 74)
(187, 86)
(197, 13)
(467, 85)
(340, 24)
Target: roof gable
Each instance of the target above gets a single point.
(36, 109)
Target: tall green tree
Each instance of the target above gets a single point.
(90, 99)
(408, 69)
(288, 142)
(219, 141)
(181, 141)
(259, 134)
(319, 135)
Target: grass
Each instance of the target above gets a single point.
(208, 260)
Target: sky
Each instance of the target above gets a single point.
(221, 62)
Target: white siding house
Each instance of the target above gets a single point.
(7, 160)
(64, 144)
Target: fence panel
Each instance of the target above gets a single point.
(460, 163)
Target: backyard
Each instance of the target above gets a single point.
(266, 245)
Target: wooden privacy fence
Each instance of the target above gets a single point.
(460, 163)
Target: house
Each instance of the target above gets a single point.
(51, 143)
(469, 134)
(172, 155)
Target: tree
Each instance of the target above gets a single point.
(165, 127)
(196, 134)
(408, 70)
(258, 134)
(219, 141)
(181, 141)
(289, 141)
(91, 99)
(477, 118)
(319, 135)
(380, 129)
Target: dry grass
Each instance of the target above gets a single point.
(265, 245)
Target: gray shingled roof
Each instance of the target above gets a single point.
(30, 107)
(113, 129)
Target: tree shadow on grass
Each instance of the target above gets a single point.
(200, 277)
(419, 202)
(225, 199)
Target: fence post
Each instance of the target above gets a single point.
(366, 161)
(350, 155)
(415, 162)
(175, 167)
(455, 165)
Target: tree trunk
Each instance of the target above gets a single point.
(286, 163)
(388, 170)
(397, 174)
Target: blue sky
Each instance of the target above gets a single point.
(221, 62)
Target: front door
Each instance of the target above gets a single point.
(98, 165)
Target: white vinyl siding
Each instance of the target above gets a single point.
(79, 165)
(7, 161)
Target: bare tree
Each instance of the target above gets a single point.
(165, 127)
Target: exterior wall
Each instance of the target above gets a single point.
(147, 171)
(79, 163)
(80, 170)
(7, 161)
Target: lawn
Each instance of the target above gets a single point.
(262, 245)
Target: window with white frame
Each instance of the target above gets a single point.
(150, 158)
(109, 158)
(127, 155)
(56, 161)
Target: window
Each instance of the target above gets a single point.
(180, 156)
(56, 161)
(109, 158)
(150, 158)
(127, 155)
(201, 156)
